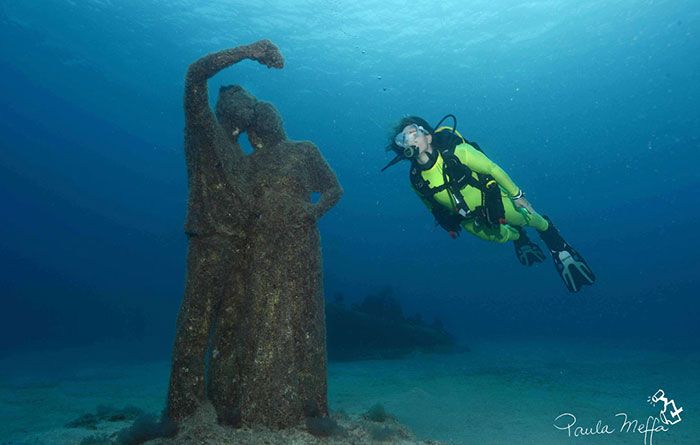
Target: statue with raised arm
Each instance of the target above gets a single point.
(251, 329)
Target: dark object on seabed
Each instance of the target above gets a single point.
(324, 427)
(144, 427)
(377, 413)
(105, 413)
(377, 329)
(383, 305)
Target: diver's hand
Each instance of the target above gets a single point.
(522, 203)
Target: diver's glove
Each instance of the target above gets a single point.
(447, 220)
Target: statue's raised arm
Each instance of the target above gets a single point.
(200, 121)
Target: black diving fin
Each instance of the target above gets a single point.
(527, 252)
(570, 265)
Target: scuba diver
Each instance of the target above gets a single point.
(464, 189)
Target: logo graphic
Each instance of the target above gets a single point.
(670, 414)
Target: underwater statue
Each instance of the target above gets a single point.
(251, 329)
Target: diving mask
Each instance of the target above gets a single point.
(407, 139)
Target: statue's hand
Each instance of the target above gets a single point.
(311, 212)
(267, 53)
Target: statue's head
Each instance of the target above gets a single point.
(266, 129)
(238, 111)
(235, 110)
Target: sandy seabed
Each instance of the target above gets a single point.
(501, 392)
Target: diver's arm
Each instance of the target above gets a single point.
(324, 182)
(478, 162)
(197, 110)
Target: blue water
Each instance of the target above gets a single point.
(591, 107)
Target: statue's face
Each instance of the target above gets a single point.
(235, 110)
(255, 140)
(266, 130)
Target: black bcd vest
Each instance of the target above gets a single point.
(456, 176)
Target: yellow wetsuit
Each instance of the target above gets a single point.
(480, 164)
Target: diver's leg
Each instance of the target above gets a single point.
(526, 251)
(499, 234)
(187, 378)
(570, 265)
